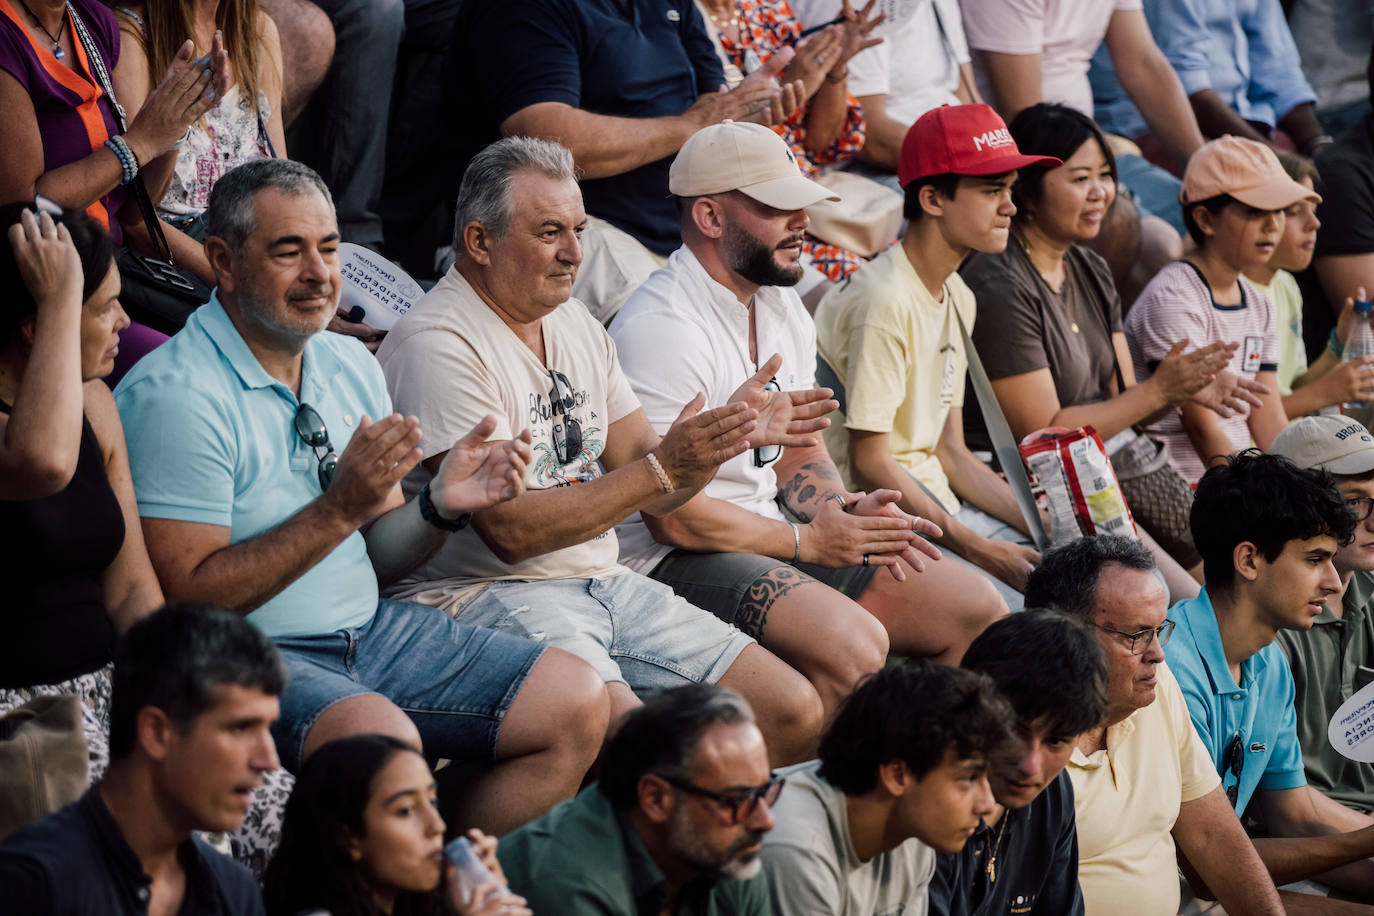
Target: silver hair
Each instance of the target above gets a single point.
(230, 210)
(484, 196)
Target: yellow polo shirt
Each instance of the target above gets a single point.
(898, 352)
(1126, 799)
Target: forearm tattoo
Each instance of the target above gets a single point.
(804, 490)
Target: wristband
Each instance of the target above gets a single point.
(128, 162)
(664, 480)
(831, 78)
(1317, 143)
(431, 514)
(796, 542)
(1333, 344)
(180, 143)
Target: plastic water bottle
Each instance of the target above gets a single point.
(471, 872)
(1360, 343)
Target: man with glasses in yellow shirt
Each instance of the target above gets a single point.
(1142, 781)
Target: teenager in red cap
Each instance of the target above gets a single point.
(890, 334)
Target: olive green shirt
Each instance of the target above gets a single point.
(584, 858)
(1330, 662)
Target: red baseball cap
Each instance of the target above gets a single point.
(965, 140)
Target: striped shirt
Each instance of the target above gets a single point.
(1178, 303)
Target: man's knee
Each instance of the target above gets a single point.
(366, 714)
(565, 701)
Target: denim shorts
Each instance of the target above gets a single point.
(628, 627)
(719, 582)
(455, 681)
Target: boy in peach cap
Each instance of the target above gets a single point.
(1234, 196)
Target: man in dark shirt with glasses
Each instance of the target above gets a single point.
(1268, 532)
(674, 825)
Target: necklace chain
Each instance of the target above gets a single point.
(996, 847)
(720, 22)
(55, 39)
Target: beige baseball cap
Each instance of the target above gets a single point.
(1247, 170)
(1339, 445)
(749, 158)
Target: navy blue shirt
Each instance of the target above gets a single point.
(76, 862)
(627, 58)
(1036, 866)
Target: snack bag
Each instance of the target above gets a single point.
(1084, 496)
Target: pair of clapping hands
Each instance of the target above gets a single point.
(476, 474)
(854, 529)
(770, 94)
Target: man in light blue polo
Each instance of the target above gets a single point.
(246, 502)
(1267, 531)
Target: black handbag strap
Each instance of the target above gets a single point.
(140, 190)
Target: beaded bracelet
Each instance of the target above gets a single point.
(128, 162)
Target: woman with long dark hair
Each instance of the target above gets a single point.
(363, 837)
(1052, 340)
(75, 570)
(245, 124)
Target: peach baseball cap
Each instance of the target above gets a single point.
(1247, 170)
(744, 157)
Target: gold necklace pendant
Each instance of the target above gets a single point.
(991, 867)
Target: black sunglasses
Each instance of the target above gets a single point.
(739, 805)
(310, 427)
(767, 454)
(567, 437)
(1234, 762)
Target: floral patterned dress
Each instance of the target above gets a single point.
(229, 135)
(767, 26)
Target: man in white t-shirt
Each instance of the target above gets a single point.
(923, 63)
(902, 775)
(500, 335)
(810, 584)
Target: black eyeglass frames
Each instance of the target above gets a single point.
(1362, 506)
(567, 436)
(1233, 761)
(310, 427)
(738, 805)
(1141, 639)
(767, 454)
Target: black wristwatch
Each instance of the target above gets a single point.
(431, 514)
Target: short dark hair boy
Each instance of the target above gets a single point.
(902, 774)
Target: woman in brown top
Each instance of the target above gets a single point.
(1052, 342)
